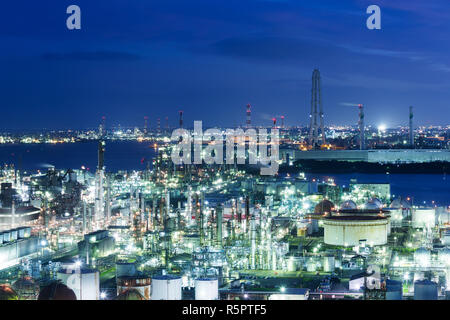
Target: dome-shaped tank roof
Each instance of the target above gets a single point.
(399, 202)
(130, 294)
(7, 293)
(324, 206)
(373, 204)
(57, 291)
(348, 205)
(26, 288)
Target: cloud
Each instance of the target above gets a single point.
(91, 56)
(275, 49)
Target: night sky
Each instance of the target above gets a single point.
(211, 57)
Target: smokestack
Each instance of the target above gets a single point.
(274, 122)
(101, 155)
(145, 125)
(249, 116)
(158, 127)
(411, 129)
(282, 122)
(167, 123)
(361, 127)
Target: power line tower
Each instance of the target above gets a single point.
(316, 112)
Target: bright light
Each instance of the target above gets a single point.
(282, 289)
(102, 295)
(78, 263)
(382, 127)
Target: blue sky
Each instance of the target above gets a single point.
(211, 57)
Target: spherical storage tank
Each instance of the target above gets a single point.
(324, 206)
(206, 289)
(26, 288)
(373, 204)
(166, 287)
(425, 290)
(348, 205)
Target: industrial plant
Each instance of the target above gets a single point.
(223, 231)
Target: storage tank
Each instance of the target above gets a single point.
(373, 204)
(425, 290)
(7, 236)
(444, 256)
(21, 234)
(206, 289)
(166, 287)
(26, 288)
(446, 237)
(141, 284)
(423, 217)
(311, 265)
(349, 230)
(394, 290)
(24, 232)
(422, 257)
(292, 263)
(348, 205)
(84, 282)
(328, 264)
(14, 234)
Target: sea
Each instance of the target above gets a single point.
(133, 155)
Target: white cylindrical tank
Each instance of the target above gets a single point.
(291, 265)
(444, 256)
(424, 218)
(85, 283)
(166, 288)
(425, 290)
(349, 230)
(328, 264)
(311, 265)
(422, 257)
(206, 289)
